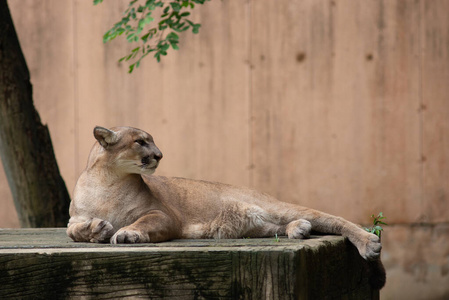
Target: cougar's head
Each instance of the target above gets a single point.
(128, 150)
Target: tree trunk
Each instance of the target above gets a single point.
(39, 192)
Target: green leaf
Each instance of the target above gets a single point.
(148, 19)
(145, 37)
(166, 9)
(169, 22)
(131, 68)
(175, 6)
(149, 3)
(97, 2)
(182, 29)
(164, 47)
(172, 36)
(133, 13)
(124, 20)
(141, 24)
(196, 28)
(130, 37)
(179, 25)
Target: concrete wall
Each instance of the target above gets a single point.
(342, 106)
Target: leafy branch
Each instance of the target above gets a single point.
(138, 26)
(377, 221)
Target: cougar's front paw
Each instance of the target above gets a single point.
(370, 247)
(299, 229)
(127, 236)
(101, 231)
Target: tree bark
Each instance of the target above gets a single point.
(39, 192)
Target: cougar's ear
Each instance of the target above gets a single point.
(105, 136)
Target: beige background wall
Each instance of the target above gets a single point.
(338, 105)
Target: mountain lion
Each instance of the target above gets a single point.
(117, 200)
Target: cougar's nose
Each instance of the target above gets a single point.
(157, 156)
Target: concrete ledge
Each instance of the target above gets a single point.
(46, 264)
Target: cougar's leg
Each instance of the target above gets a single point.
(156, 226)
(238, 219)
(367, 243)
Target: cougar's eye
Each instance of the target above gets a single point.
(140, 142)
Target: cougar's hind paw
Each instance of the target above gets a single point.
(298, 229)
(371, 247)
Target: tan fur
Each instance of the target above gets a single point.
(117, 200)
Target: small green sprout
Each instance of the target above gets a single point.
(377, 221)
(276, 238)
